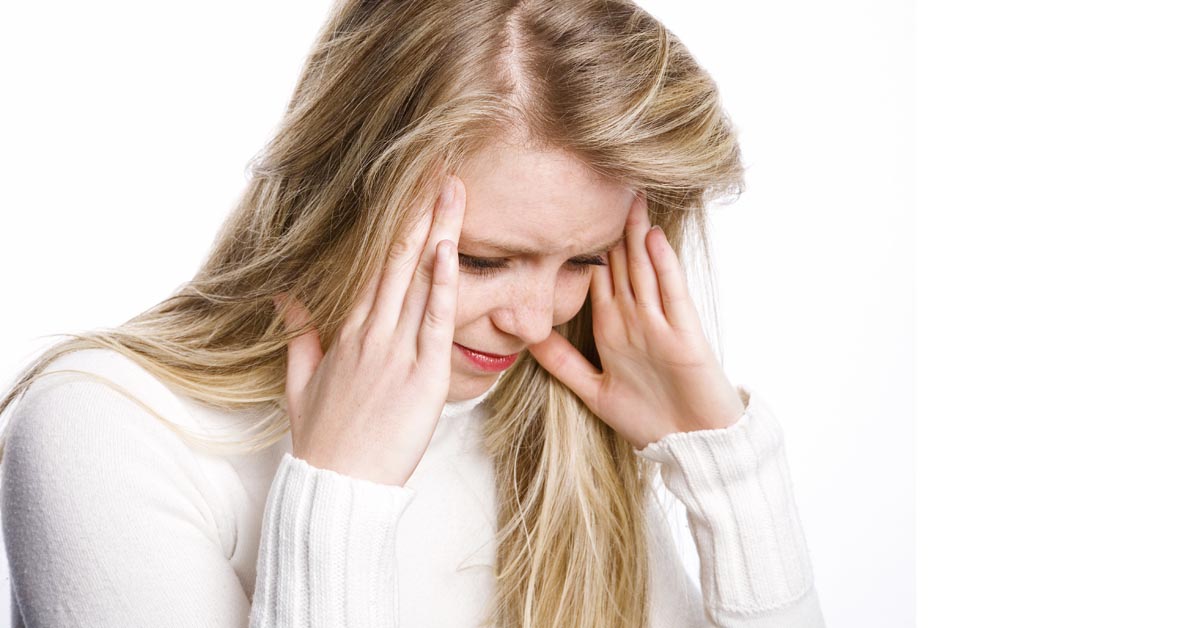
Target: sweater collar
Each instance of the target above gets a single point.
(455, 409)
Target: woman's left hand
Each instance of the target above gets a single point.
(660, 374)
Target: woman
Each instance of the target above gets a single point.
(336, 423)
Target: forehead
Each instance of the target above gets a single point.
(541, 199)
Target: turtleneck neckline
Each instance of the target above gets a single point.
(454, 409)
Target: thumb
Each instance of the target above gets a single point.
(304, 351)
(557, 355)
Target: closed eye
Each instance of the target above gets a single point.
(490, 266)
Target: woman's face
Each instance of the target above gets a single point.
(533, 221)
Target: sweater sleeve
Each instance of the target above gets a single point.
(328, 551)
(108, 521)
(736, 487)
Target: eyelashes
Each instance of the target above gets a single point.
(490, 266)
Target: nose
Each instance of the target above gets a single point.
(528, 310)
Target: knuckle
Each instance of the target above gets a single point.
(397, 360)
(424, 273)
(291, 404)
(347, 334)
(377, 336)
(401, 253)
(443, 280)
(407, 360)
(435, 318)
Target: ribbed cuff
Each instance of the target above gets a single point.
(328, 551)
(737, 489)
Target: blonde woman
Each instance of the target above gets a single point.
(438, 362)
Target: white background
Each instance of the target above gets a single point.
(128, 126)
(135, 120)
(1049, 206)
(1058, 317)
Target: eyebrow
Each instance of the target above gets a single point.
(514, 249)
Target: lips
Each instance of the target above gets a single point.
(487, 362)
(501, 356)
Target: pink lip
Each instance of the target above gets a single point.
(488, 361)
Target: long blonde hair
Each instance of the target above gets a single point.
(393, 95)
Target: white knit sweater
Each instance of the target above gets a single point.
(111, 519)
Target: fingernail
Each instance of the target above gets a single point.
(656, 227)
(448, 191)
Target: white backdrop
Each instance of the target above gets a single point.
(127, 127)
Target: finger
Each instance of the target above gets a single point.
(562, 360)
(641, 271)
(676, 302)
(437, 328)
(303, 352)
(447, 224)
(365, 300)
(601, 287)
(617, 264)
(397, 273)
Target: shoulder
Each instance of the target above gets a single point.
(93, 392)
(98, 376)
(94, 487)
(96, 423)
(92, 407)
(95, 403)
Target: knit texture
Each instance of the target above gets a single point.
(736, 487)
(328, 532)
(111, 519)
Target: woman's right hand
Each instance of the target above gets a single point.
(368, 408)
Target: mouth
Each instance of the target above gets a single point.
(485, 361)
(490, 354)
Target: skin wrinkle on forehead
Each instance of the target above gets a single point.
(521, 250)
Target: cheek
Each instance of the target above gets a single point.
(475, 298)
(569, 297)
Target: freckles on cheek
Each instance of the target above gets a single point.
(480, 297)
(569, 306)
(472, 302)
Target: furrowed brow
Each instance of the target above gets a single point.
(610, 245)
(512, 249)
